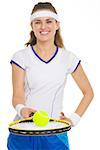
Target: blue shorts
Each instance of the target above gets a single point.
(51, 142)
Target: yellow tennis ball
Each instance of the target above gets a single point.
(41, 118)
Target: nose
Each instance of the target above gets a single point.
(43, 25)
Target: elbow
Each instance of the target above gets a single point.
(92, 94)
(89, 93)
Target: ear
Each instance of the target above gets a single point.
(57, 25)
(32, 26)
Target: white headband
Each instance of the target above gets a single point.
(45, 13)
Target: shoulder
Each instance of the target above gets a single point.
(68, 54)
(20, 58)
(71, 60)
(21, 52)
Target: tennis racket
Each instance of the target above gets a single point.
(28, 127)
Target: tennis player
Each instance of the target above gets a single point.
(39, 74)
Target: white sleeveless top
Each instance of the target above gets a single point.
(45, 80)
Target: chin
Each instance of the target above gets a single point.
(44, 39)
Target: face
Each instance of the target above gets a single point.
(45, 28)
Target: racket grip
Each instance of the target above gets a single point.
(14, 122)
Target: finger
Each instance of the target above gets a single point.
(62, 113)
(26, 116)
(31, 114)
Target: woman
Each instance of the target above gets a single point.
(39, 74)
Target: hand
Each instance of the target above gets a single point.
(25, 112)
(63, 117)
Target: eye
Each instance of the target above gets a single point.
(49, 21)
(37, 22)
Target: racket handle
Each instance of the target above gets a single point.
(14, 122)
(18, 121)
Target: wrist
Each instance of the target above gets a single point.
(18, 108)
(75, 118)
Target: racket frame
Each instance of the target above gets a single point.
(39, 132)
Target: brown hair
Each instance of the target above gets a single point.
(48, 6)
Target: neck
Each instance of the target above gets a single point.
(45, 46)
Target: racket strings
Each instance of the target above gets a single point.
(32, 126)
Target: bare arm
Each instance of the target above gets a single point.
(18, 79)
(18, 76)
(83, 83)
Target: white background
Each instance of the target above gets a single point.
(80, 26)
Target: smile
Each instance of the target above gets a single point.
(44, 33)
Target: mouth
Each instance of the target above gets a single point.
(44, 32)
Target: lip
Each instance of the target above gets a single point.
(44, 32)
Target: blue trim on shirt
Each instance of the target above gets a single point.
(41, 58)
(13, 62)
(77, 65)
